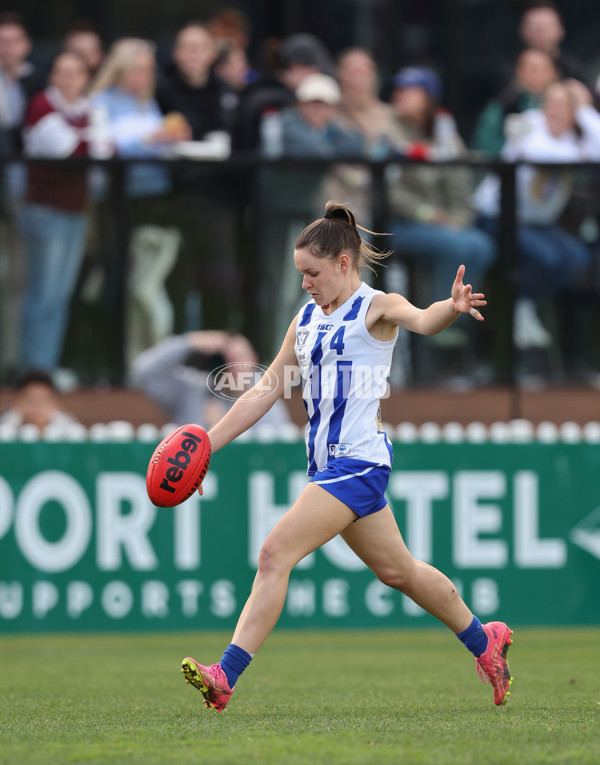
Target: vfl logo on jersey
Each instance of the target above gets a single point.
(339, 450)
(301, 337)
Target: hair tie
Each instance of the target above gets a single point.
(329, 216)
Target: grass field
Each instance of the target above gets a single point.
(326, 697)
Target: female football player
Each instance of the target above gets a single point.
(342, 342)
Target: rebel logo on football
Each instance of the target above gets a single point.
(180, 461)
(178, 466)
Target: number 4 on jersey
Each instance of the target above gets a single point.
(337, 341)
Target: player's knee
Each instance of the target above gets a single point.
(271, 559)
(397, 577)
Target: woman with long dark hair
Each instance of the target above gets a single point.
(342, 342)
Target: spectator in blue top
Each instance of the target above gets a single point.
(124, 90)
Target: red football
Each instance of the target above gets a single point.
(178, 466)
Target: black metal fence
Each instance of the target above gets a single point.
(233, 223)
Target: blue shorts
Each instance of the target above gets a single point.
(358, 484)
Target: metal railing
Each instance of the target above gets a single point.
(240, 182)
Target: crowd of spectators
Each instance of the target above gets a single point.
(295, 101)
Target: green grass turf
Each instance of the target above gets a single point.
(309, 697)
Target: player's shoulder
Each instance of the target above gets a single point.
(380, 301)
(384, 310)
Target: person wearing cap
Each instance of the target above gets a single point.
(309, 130)
(283, 66)
(432, 220)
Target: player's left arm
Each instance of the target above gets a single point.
(397, 310)
(254, 403)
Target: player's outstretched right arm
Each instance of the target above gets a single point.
(397, 310)
(254, 403)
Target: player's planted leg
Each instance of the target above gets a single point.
(210, 681)
(315, 518)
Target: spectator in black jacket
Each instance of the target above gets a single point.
(206, 274)
(83, 38)
(541, 27)
(283, 67)
(189, 84)
(19, 80)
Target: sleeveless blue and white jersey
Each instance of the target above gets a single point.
(344, 373)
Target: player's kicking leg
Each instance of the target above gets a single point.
(492, 665)
(376, 539)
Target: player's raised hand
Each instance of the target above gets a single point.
(465, 300)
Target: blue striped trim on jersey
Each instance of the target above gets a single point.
(306, 316)
(342, 390)
(354, 309)
(315, 420)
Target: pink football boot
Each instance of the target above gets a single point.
(492, 666)
(210, 681)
